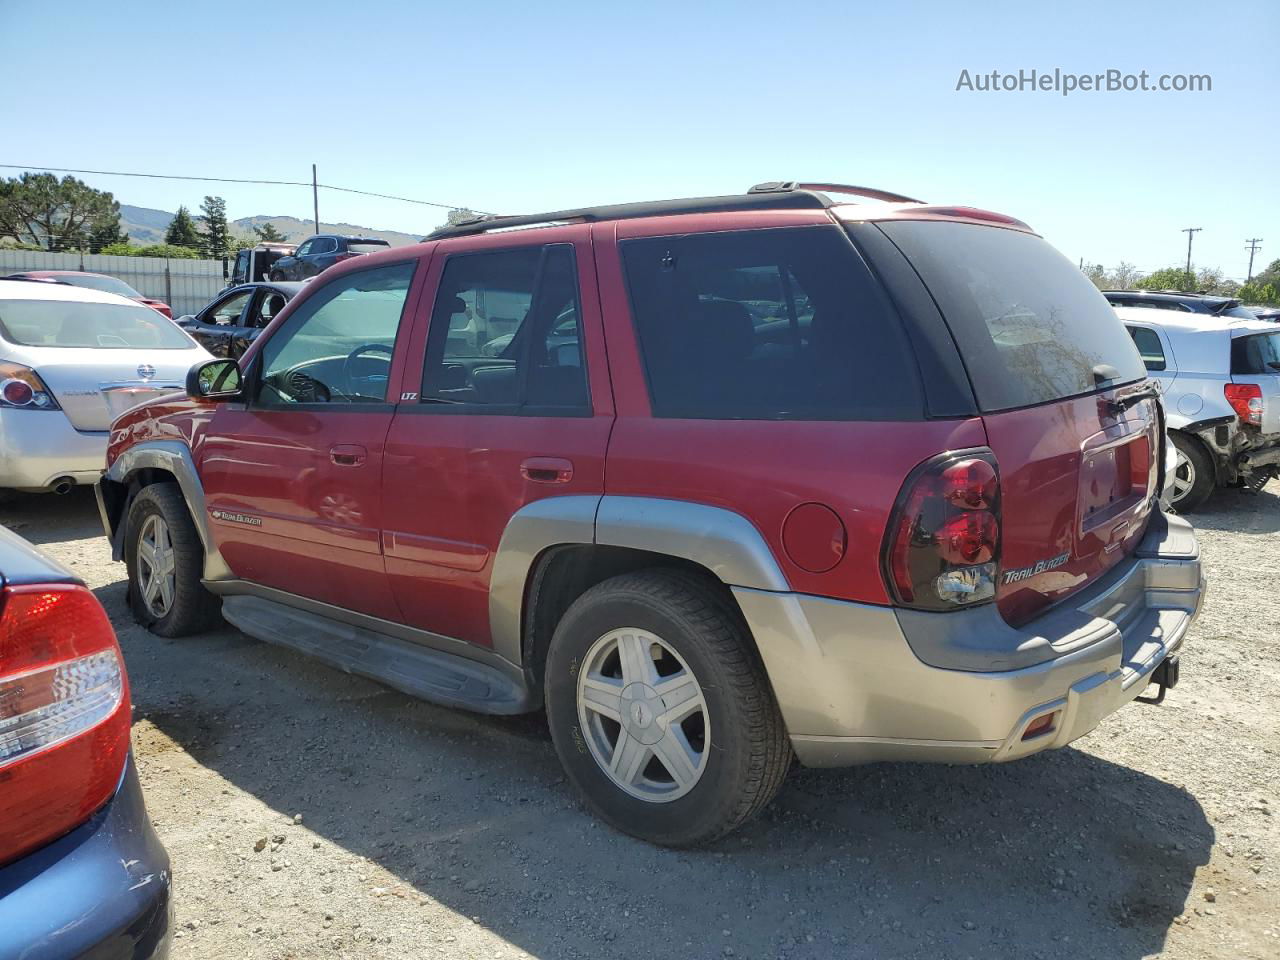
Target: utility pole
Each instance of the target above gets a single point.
(315, 197)
(1190, 232)
(1254, 243)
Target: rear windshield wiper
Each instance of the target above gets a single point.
(1150, 391)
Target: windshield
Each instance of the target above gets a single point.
(1030, 326)
(1259, 353)
(96, 281)
(109, 326)
(368, 246)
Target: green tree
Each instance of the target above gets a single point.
(217, 234)
(1170, 278)
(1271, 274)
(267, 233)
(53, 214)
(105, 235)
(1256, 292)
(182, 231)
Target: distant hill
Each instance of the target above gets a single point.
(145, 225)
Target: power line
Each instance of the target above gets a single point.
(269, 183)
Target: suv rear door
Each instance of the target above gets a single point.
(496, 410)
(1059, 384)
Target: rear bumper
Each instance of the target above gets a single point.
(859, 683)
(39, 446)
(101, 891)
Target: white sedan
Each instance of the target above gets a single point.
(71, 361)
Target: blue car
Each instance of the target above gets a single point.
(82, 872)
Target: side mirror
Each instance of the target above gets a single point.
(185, 320)
(215, 380)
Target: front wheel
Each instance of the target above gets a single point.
(1193, 474)
(660, 709)
(164, 559)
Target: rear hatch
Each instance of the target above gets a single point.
(1062, 392)
(1255, 359)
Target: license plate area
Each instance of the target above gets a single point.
(124, 397)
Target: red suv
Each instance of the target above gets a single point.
(714, 482)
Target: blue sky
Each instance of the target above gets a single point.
(510, 107)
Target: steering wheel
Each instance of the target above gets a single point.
(364, 348)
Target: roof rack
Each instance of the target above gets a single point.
(776, 195)
(790, 186)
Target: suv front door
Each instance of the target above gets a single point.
(501, 413)
(292, 477)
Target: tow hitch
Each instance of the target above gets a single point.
(1165, 676)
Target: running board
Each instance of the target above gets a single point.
(411, 668)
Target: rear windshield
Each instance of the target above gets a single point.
(97, 282)
(786, 323)
(110, 326)
(1256, 354)
(368, 246)
(1030, 326)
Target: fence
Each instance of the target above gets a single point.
(186, 285)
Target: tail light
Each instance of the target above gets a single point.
(1246, 401)
(21, 387)
(64, 713)
(944, 537)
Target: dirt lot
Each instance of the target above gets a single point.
(311, 814)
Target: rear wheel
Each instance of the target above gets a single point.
(1193, 474)
(660, 710)
(164, 559)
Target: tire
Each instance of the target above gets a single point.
(733, 740)
(1194, 477)
(160, 513)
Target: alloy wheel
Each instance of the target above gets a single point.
(643, 715)
(156, 565)
(1184, 476)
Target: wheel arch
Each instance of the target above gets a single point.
(149, 462)
(554, 550)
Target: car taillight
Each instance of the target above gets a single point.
(64, 713)
(944, 537)
(1246, 401)
(22, 388)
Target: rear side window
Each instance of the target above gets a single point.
(1256, 354)
(1149, 348)
(765, 325)
(1030, 326)
(367, 246)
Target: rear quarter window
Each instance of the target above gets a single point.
(777, 324)
(1256, 354)
(1030, 326)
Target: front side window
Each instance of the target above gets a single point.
(108, 326)
(337, 347)
(1148, 343)
(303, 250)
(767, 325)
(505, 333)
(229, 310)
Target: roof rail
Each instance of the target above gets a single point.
(790, 186)
(775, 200)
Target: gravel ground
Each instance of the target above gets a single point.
(311, 814)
